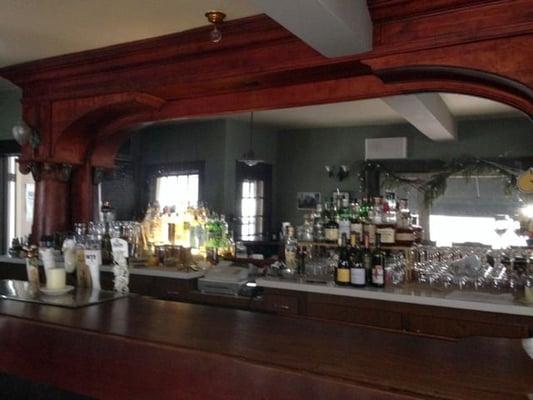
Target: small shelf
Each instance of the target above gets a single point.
(335, 245)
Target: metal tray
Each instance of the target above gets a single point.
(80, 297)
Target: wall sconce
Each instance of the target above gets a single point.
(23, 133)
(340, 173)
(215, 18)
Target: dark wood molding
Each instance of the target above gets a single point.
(85, 105)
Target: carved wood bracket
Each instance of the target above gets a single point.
(40, 170)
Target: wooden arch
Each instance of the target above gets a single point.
(83, 104)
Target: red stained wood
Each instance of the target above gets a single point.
(83, 104)
(139, 348)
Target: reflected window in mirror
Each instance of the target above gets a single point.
(175, 185)
(476, 209)
(252, 203)
(178, 191)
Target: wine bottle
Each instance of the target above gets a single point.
(342, 272)
(357, 271)
(378, 265)
(367, 259)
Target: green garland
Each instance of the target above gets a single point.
(435, 186)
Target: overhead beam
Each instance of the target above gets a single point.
(427, 112)
(334, 28)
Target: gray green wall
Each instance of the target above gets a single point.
(10, 112)
(305, 153)
(220, 143)
(197, 141)
(299, 156)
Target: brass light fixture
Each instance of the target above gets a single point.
(215, 18)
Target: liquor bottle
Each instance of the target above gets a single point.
(301, 258)
(291, 250)
(342, 272)
(331, 229)
(378, 265)
(357, 270)
(369, 226)
(344, 219)
(318, 224)
(367, 259)
(405, 234)
(386, 222)
(356, 224)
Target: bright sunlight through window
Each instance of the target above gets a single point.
(178, 191)
(446, 230)
(251, 209)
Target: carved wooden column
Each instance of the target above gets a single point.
(83, 192)
(52, 197)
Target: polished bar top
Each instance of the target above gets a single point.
(162, 272)
(466, 300)
(480, 368)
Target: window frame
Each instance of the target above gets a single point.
(154, 171)
(259, 172)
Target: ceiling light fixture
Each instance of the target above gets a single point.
(249, 157)
(215, 18)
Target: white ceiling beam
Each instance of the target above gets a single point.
(427, 112)
(334, 28)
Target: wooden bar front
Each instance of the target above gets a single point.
(143, 348)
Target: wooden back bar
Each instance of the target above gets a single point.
(143, 348)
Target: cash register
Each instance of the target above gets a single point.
(225, 278)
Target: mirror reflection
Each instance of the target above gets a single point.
(451, 161)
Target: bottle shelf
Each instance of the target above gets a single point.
(335, 245)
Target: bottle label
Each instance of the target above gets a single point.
(290, 259)
(120, 249)
(377, 275)
(344, 227)
(357, 228)
(343, 275)
(358, 276)
(387, 235)
(405, 237)
(331, 234)
(371, 229)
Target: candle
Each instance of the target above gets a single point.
(528, 294)
(55, 278)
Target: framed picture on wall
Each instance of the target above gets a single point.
(307, 200)
(340, 195)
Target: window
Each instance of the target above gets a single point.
(179, 191)
(446, 230)
(20, 202)
(252, 202)
(467, 211)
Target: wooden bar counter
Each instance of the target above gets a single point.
(143, 348)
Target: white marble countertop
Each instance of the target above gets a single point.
(146, 271)
(467, 300)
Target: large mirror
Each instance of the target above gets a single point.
(455, 158)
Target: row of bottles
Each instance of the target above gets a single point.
(360, 266)
(389, 218)
(195, 228)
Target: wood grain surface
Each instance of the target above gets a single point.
(142, 348)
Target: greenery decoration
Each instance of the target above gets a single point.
(434, 186)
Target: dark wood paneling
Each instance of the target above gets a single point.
(453, 327)
(141, 348)
(84, 105)
(356, 315)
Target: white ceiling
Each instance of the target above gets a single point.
(370, 112)
(34, 29)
